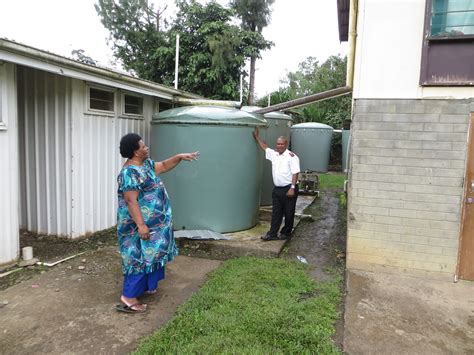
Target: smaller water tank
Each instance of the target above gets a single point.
(311, 141)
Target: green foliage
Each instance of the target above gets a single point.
(343, 199)
(212, 50)
(311, 78)
(254, 306)
(135, 39)
(255, 15)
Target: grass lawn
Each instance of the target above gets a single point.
(332, 181)
(254, 306)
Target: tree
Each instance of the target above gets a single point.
(212, 50)
(311, 78)
(136, 39)
(255, 15)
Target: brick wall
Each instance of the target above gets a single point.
(406, 183)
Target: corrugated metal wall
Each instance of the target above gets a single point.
(69, 157)
(9, 243)
(44, 120)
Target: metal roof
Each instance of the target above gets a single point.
(17, 53)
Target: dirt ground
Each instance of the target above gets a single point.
(69, 308)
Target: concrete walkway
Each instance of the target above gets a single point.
(247, 242)
(397, 314)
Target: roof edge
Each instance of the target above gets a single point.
(55, 59)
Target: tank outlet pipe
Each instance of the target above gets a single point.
(206, 102)
(307, 100)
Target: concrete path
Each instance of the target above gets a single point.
(70, 310)
(244, 243)
(396, 314)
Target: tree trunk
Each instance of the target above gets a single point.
(252, 80)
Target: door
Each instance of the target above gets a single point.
(466, 251)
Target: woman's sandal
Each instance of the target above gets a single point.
(130, 308)
(151, 292)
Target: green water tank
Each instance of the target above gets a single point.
(221, 190)
(345, 149)
(311, 141)
(279, 124)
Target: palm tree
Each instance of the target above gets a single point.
(255, 15)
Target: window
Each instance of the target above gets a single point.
(100, 99)
(448, 48)
(452, 18)
(163, 106)
(133, 105)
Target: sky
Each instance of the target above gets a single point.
(299, 29)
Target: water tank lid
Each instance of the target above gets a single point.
(209, 115)
(275, 115)
(311, 125)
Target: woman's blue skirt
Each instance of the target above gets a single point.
(137, 285)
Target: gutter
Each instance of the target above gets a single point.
(206, 102)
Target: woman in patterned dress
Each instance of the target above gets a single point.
(144, 223)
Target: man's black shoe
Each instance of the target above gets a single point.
(283, 236)
(268, 237)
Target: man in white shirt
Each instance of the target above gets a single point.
(285, 169)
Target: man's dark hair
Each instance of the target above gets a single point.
(129, 144)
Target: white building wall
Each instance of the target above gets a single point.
(9, 164)
(388, 52)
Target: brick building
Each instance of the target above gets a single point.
(411, 175)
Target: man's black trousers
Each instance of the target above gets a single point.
(283, 206)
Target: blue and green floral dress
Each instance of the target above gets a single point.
(144, 256)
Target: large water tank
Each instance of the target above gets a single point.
(279, 125)
(221, 190)
(311, 141)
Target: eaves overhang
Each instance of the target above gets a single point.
(39, 59)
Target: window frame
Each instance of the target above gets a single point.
(123, 105)
(437, 66)
(105, 89)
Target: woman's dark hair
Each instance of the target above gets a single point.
(129, 144)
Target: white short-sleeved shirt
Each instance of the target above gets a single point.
(284, 166)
